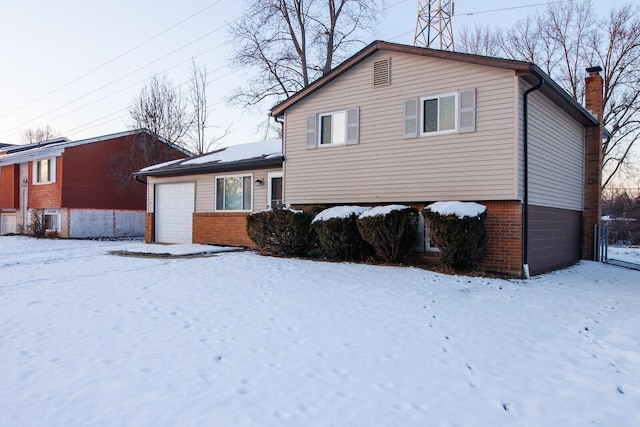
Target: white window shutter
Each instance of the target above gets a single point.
(52, 169)
(353, 126)
(311, 132)
(467, 110)
(411, 118)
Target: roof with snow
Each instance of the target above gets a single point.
(54, 147)
(255, 155)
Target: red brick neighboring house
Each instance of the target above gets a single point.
(83, 188)
(410, 125)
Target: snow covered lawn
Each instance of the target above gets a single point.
(237, 339)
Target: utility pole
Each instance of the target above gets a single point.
(433, 27)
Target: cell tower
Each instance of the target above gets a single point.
(433, 28)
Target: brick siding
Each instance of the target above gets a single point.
(221, 228)
(504, 232)
(149, 227)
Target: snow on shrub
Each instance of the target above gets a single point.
(391, 230)
(280, 231)
(338, 234)
(458, 230)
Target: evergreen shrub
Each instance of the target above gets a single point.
(462, 239)
(391, 230)
(338, 235)
(280, 231)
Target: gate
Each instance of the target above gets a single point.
(601, 242)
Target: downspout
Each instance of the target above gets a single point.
(525, 211)
(141, 182)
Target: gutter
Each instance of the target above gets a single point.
(525, 211)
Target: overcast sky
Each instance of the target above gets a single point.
(76, 65)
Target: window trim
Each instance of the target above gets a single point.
(456, 110)
(270, 176)
(215, 192)
(344, 130)
(52, 213)
(36, 169)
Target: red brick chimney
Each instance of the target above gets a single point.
(594, 103)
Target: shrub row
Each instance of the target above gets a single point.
(354, 233)
(343, 233)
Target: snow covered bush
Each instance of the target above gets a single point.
(391, 230)
(280, 231)
(458, 230)
(338, 234)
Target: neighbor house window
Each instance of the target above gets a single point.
(234, 193)
(44, 171)
(334, 128)
(51, 221)
(453, 112)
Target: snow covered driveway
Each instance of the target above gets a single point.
(236, 339)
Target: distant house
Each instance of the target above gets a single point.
(403, 124)
(206, 199)
(82, 188)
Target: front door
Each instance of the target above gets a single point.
(275, 190)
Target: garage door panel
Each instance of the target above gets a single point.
(174, 212)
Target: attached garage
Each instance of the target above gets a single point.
(174, 207)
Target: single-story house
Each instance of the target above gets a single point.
(206, 199)
(81, 189)
(398, 124)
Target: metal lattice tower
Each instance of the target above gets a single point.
(433, 28)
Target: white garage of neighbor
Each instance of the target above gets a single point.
(174, 210)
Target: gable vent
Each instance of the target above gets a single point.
(382, 72)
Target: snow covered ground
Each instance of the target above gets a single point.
(631, 255)
(237, 339)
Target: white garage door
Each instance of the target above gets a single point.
(174, 208)
(7, 224)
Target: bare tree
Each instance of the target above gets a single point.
(566, 38)
(479, 40)
(617, 49)
(198, 140)
(162, 110)
(40, 134)
(290, 43)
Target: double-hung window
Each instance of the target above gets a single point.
(234, 193)
(44, 171)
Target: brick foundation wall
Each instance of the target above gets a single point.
(221, 228)
(504, 231)
(149, 227)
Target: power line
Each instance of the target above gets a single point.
(514, 7)
(117, 80)
(22, 107)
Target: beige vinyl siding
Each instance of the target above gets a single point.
(205, 188)
(385, 167)
(556, 156)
